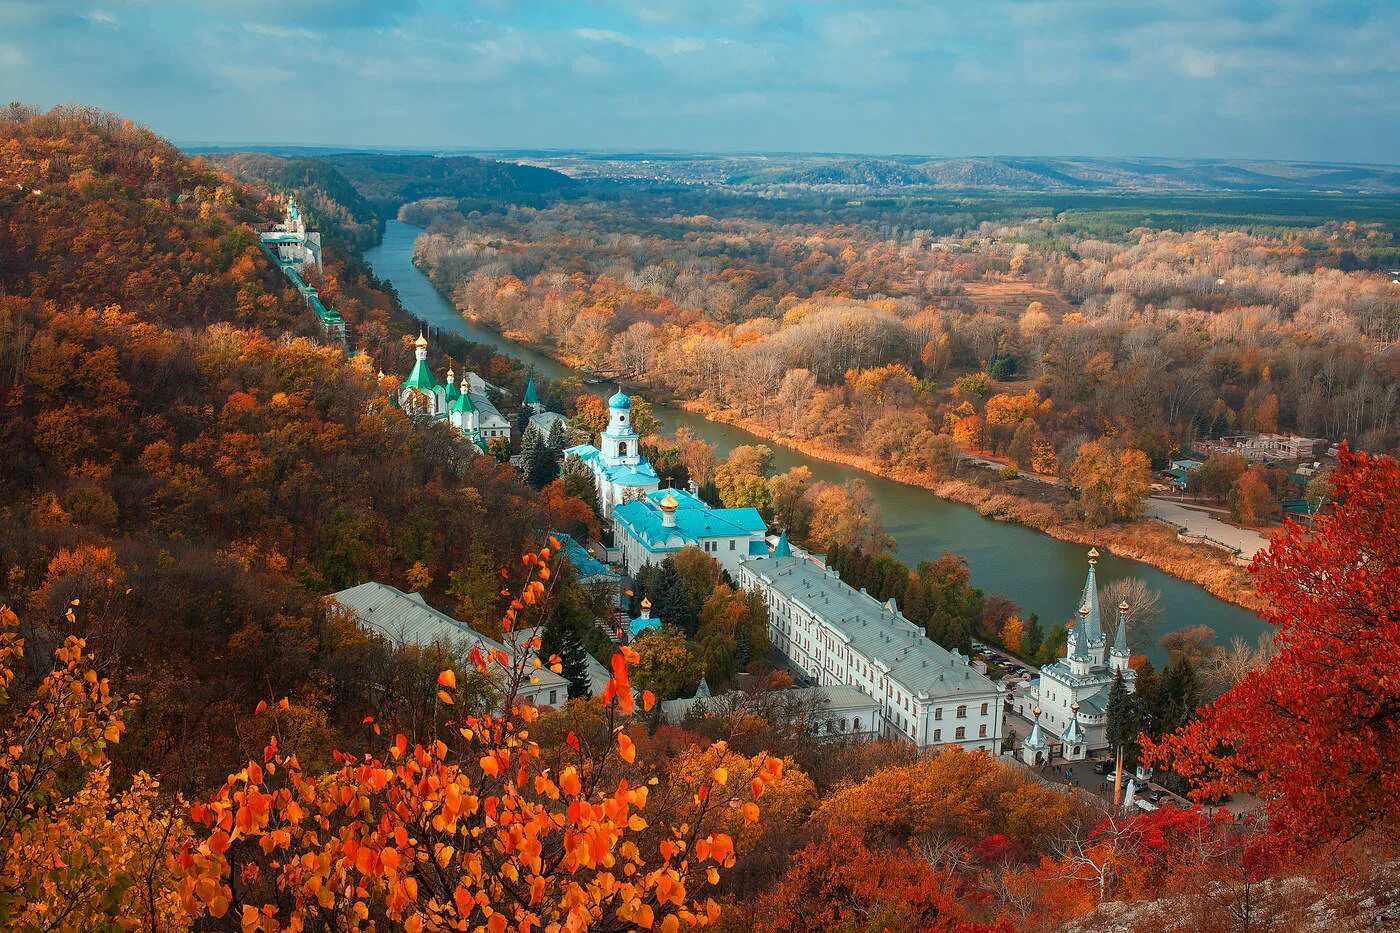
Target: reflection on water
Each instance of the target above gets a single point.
(1042, 574)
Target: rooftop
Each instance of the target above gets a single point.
(643, 519)
(873, 629)
(407, 619)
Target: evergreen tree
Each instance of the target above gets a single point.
(1220, 426)
(575, 664)
(742, 647)
(538, 461)
(1122, 728)
(1149, 700)
(1032, 636)
(1179, 694)
(579, 483)
(709, 493)
(556, 439)
(670, 602)
(1200, 424)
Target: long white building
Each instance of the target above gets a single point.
(840, 636)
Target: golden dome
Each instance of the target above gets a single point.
(1074, 706)
(1123, 606)
(669, 503)
(1036, 711)
(1093, 555)
(421, 342)
(1084, 610)
(646, 603)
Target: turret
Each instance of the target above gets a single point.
(1080, 658)
(619, 441)
(782, 548)
(1093, 625)
(1118, 656)
(1033, 750)
(532, 396)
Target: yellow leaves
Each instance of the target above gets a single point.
(570, 783)
(669, 924)
(445, 697)
(721, 776)
(750, 813)
(489, 765)
(625, 748)
(448, 679)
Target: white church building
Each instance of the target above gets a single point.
(1068, 702)
(619, 470)
(466, 405)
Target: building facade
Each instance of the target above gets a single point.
(838, 636)
(1069, 700)
(619, 470)
(648, 529)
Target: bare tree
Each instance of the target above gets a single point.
(1144, 607)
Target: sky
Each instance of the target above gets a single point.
(1291, 79)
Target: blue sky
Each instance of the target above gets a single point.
(1294, 79)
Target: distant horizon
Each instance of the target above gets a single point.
(196, 147)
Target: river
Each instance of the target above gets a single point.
(1042, 574)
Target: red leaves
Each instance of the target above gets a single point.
(1314, 734)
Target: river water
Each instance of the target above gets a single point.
(1042, 574)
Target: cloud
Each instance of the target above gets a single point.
(1271, 78)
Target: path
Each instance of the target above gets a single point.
(1200, 523)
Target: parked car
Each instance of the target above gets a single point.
(1103, 767)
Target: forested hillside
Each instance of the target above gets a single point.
(186, 471)
(331, 203)
(186, 462)
(390, 181)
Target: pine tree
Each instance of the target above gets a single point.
(1220, 426)
(575, 664)
(556, 438)
(742, 646)
(1179, 694)
(670, 602)
(538, 461)
(1122, 728)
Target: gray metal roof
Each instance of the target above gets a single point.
(407, 619)
(873, 629)
(824, 701)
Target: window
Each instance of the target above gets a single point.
(622, 448)
(984, 709)
(962, 712)
(938, 713)
(857, 724)
(843, 725)
(982, 731)
(961, 733)
(731, 545)
(553, 697)
(938, 735)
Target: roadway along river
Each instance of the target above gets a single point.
(1042, 574)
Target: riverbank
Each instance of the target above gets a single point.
(1145, 540)
(1035, 505)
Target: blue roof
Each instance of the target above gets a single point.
(639, 474)
(684, 500)
(644, 624)
(585, 563)
(642, 519)
(620, 401)
(758, 549)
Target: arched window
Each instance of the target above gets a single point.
(962, 712)
(843, 725)
(857, 725)
(622, 448)
(961, 733)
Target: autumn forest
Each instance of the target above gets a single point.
(193, 736)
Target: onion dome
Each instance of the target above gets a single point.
(620, 401)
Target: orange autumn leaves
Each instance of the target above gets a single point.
(473, 829)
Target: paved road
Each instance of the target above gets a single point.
(1200, 522)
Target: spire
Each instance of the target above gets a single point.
(702, 691)
(1079, 636)
(1074, 732)
(1120, 637)
(1093, 626)
(1036, 739)
(782, 548)
(532, 397)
